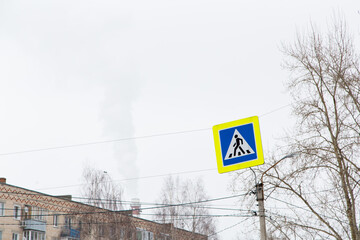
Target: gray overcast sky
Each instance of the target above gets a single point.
(85, 71)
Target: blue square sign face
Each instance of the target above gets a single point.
(238, 144)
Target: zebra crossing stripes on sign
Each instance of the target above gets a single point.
(238, 144)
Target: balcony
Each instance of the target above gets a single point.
(70, 232)
(32, 224)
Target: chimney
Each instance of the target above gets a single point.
(135, 207)
(2, 180)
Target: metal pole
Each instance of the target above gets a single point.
(260, 196)
(260, 200)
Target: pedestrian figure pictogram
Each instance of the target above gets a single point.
(238, 146)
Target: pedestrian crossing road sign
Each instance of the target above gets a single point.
(238, 144)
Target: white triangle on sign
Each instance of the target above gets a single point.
(238, 147)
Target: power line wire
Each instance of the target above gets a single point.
(307, 210)
(102, 142)
(122, 139)
(227, 228)
(275, 110)
(141, 209)
(103, 200)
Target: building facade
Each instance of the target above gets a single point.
(31, 215)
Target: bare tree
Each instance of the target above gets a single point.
(320, 185)
(194, 217)
(100, 191)
(104, 218)
(316, 192)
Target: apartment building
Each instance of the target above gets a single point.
(31, 215)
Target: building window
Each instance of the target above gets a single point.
(27, 212)
(34, 235)
(122, 234)
(2, 207)
(55, 220)
(15, 236)
(38, 213)
(35, 213)
(142, 234)
(163, 237)
(26, 235)
(68, 222)
(17, 212)
(44, 213)
(101, 231)
(138, 235)
(0, 235)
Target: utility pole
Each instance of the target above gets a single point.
(260, 200)
(260, 196)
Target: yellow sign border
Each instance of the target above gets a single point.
(260, 157)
